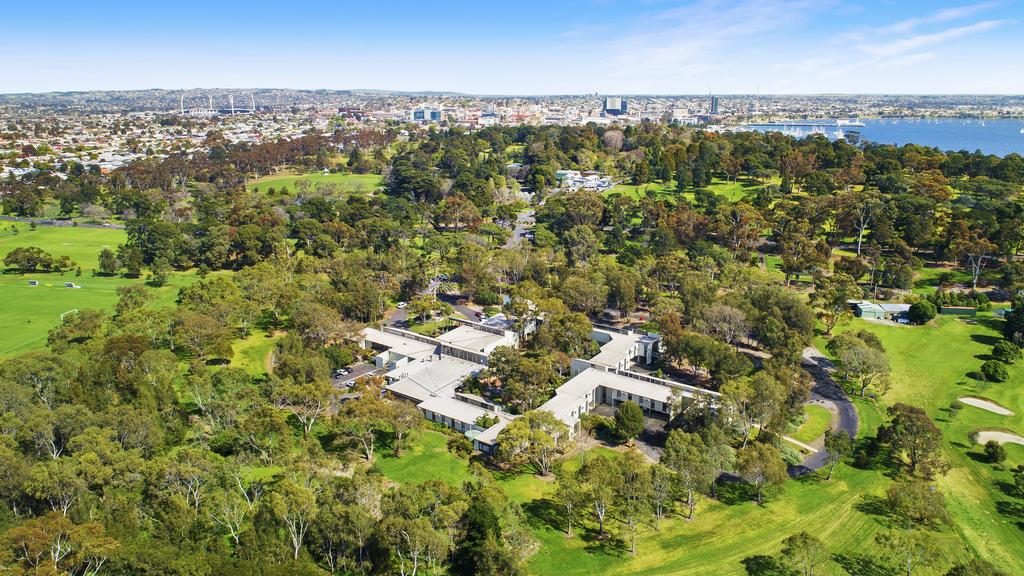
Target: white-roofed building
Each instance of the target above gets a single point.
(430, 371)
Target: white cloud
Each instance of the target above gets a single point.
(697, 39)
(908, 44)
(938, 17)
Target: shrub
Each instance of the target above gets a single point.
(486, 421)
(487, 298)
(791, 455)
(922, 312)
(1006, 352)
(995, 452)
(995, 371)
(460, 446)
(596, 423)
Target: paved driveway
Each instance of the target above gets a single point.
(827, 393)
(524, 221)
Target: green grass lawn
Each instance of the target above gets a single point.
(661, 190)
(817, 420)
(931, 367)
(30, 312)
(81, 244)
(731, 191)
(251, 353)
(734, 191)
(430, 327)
(773, 265)
(928, 279)
(361, 183)
(426, 457)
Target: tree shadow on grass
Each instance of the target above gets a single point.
(1013, 510)
(762, 565)
(874, 506)
(986, 339)
(1008, 488)
(994, 324)
(608, 545)
(861, 565)
(976, 376)
(544, 514)
(978, 457)
(734, 492)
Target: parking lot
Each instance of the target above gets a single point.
(358, 370)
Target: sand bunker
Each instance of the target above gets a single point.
(985, 405)
(984, 436)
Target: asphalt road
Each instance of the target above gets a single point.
(826, 392)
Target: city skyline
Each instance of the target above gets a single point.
(609, 47)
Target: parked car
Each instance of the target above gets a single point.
(401, 305)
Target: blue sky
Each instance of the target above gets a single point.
(523, 47)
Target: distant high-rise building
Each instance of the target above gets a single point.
(614, 106)
(426, 115)
(714, 105)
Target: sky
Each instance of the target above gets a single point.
(522, 47)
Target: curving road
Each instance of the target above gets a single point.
(830, 395)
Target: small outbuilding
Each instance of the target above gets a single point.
(868, 310)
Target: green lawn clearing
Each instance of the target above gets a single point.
(252, 354)
(817, 419)
(30, 312)
(426, 457)
(349, 183)
(81, 244)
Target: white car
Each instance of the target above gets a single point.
(401, 305)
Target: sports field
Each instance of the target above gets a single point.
(28, 313)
